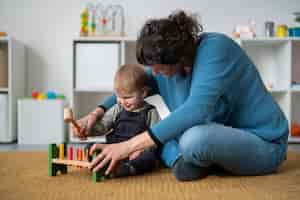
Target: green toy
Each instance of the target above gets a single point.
(100, 175)
(53, 168)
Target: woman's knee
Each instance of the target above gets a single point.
(195, 141)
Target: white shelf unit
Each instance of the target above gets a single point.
(12, 83)
(278, 63)
(276, 59)
(95, 61)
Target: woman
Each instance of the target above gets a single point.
(221, 112)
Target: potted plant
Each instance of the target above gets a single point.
(297, 16)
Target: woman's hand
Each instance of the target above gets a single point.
(135, 154)
(110, 155)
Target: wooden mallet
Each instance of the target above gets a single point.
(68, 118)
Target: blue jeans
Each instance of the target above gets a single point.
(237, 151)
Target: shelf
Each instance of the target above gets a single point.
(4, 64)
(295, 88)
(273, 61)
(295, 65)
(293, 139)
(278, 90)
(105, 38)
(12, 83)
(263, 41)
(268, 39)
(94, 90)
(3, 89)
(278, 64)
(272, 56)
(5, 38)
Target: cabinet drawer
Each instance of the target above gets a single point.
(95, 65)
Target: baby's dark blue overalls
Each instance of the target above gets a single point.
(127, 125)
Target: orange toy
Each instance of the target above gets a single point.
(3, 34)
(295, 130)
(79, 154)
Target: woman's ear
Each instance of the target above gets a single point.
(187, 69)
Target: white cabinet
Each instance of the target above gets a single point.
(12, 84)
(95, 61)
(3, 117)
(278, 62)
(40, 122)
(95, 65)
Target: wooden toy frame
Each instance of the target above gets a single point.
(56, 164)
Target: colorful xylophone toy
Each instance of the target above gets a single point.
(57, 160)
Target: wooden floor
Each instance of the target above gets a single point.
(27, 178)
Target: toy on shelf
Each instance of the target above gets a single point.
(84, 20)
(282, 30)
(294, 31)
(269, 28)
(295, 130)
(269, 86)
(60, 96)
(34, 94)
(41, 96)
(297, 16)
(95, 19)
(245, 31)
(49, 95)
(115, 15)
(3, 34)
(57, 161)
(68, 118)
(88, 20)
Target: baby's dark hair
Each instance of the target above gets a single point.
(171, 41)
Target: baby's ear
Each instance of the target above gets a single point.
(145, 92)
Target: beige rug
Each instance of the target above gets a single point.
(23, 175)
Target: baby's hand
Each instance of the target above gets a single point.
(135, 154)
(81, 133)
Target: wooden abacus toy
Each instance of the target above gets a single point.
(57, 161)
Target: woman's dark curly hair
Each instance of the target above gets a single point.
(171, 41)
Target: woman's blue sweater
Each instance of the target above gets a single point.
(223, 87)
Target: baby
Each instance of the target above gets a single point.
(129, 117)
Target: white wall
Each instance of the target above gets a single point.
(47, 27)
